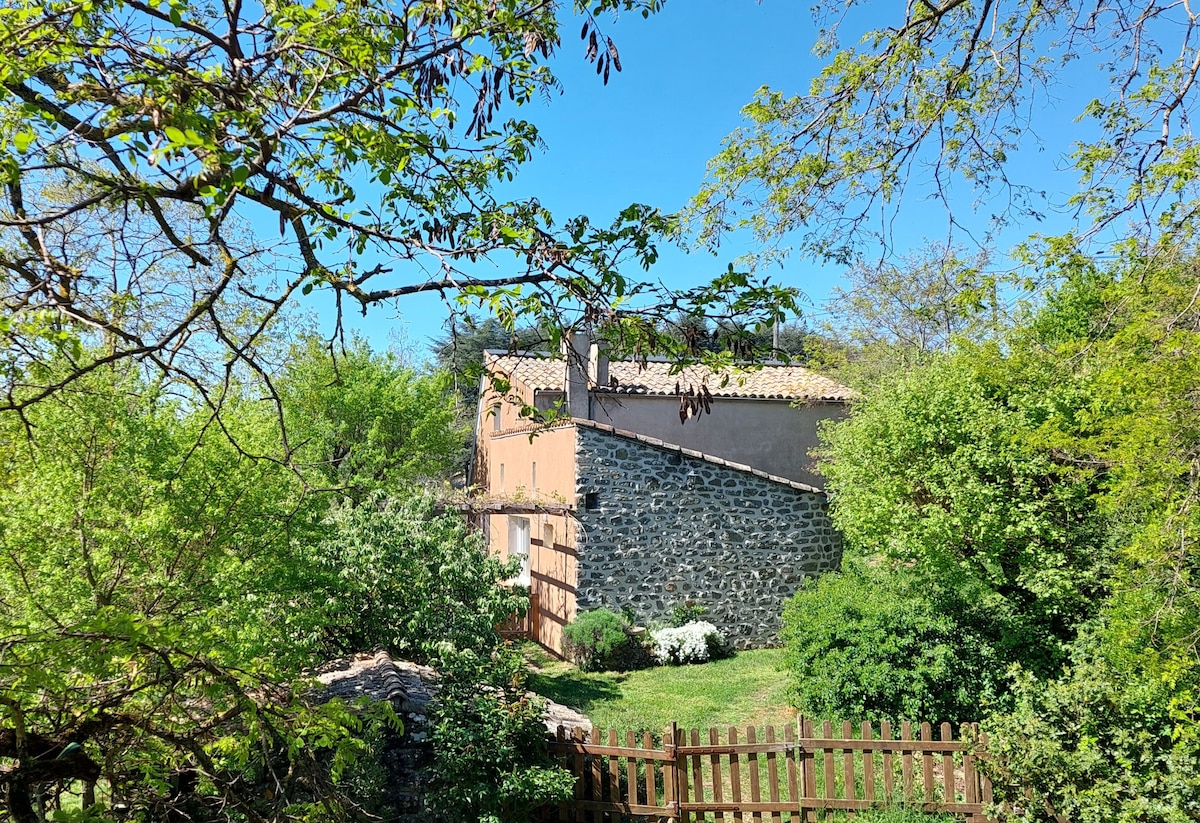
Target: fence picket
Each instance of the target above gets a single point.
(927, 764)
(868, 765)
(735, 776)
(614, 769)
(809, 772)
(631, 783)
(597, 787)
(906, 760)
(580, 777)
(697, 773)
(970, 779)
(949, 793)
(889, 779)
(850, 786)
(680, 773)
(789, 737)
(714, 738)
(560, 736)
(650, 791)
(985, 782)
(827, 761)
(773, 776)
(752, 761)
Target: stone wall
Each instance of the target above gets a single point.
(659, 527)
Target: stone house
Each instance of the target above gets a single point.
(644, 499)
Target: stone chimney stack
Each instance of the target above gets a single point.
(575, 348)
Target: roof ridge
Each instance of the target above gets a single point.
(749, 365)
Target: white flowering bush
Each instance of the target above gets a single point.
(695, 642)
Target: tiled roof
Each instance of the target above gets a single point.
(708, 458)
(772, 381)
(411, 687)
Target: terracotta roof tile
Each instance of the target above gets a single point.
(771, 381)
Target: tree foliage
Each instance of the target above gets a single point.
(231, 157)
(918, 305)
(941, 469)
(1044, 494)
(941, 97)
(165, 591)
(393, 573)
(365, 422)
(491, 762)
(460, 351)
(1098, 744)
(140, 552)
(1117, 732)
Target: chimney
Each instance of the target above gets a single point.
(575, 351)
(598, 364)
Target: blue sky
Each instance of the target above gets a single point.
(647, 135)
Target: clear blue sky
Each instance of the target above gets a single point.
(647, 135)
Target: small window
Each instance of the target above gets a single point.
(496, 414)
(591, 501)
(501, 477)
(518, 546)
(533, 476)
(548, 535)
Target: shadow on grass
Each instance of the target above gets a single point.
(576, 689)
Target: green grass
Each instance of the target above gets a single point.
(748, 689)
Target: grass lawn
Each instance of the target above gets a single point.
(748, 689)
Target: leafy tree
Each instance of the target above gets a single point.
(363, 421)
(1098, 744)
(941, 469)
(1115, 737)
(372, 134)
(1044, 495)
(164, 591)
(460, 352)
(394, 574)
(140, 547)
(919, 305)
(940, 98)
(744, 342)
(892, 316)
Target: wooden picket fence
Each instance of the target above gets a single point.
(790, 774)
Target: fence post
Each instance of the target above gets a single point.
(808, 769)
(671, 773)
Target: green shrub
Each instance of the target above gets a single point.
(601, 640)
(394, 573)
(685, 613)
(491, 758)
(1106, 743)
(868, 643)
